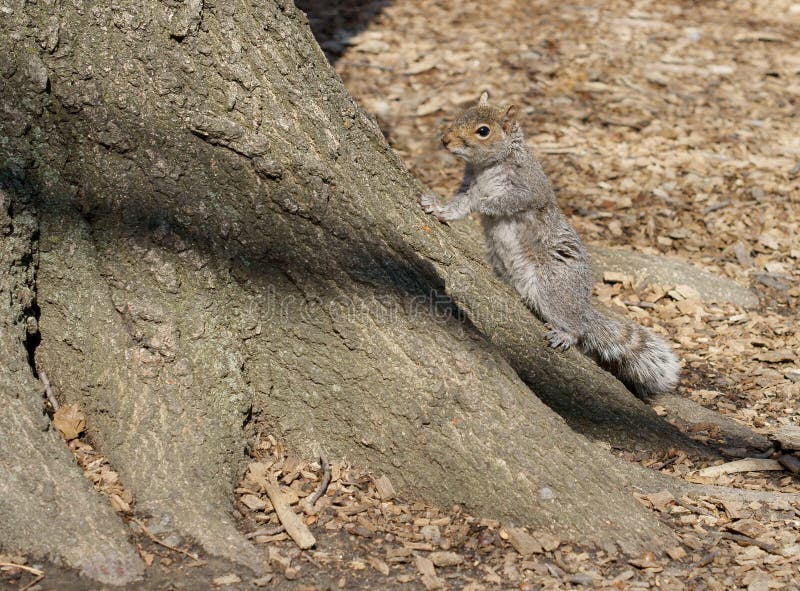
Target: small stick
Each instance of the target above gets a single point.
(295, 527)
(30, 569)
(326, 480)
(269, 531)
(715, 206)
(48, 389)
(310, 558)
(766, 546)
(147, 532)
(767, 453)
(639, 304)
(33, 582)
(693, 508)
(705, 560)
(352, 510)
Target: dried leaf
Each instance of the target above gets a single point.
(70, 421)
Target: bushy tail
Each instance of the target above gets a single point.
(638, 357)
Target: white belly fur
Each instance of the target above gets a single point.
(505, 255)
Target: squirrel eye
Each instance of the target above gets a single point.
(482, 131)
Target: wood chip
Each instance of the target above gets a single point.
(428, 574)
(270, 539)
(687, 292)
(776, 356)
(660, 501)
(119, 504)
(399, 554)
(548, 541)
(747, 465)
(676, 553)
(615, 277)
(760, 36)
(523, 542)
(733, 509)
(229, 579)
(278, 561)
(379, 565)
(646, 560)
(384, 488)
(788, 436)
(254, 503)
(790, 462)
(445, 558)
(749, 527)
(295, 527)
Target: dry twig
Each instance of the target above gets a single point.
(32, 583)
(266, 531)
(295, 527)
(30, 569)
(323, 485)
(706, 560)
(48, 389)
(38, 574)
(693, 508)
(152, 536)
(766, 546)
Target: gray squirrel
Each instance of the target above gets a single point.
(532, 246)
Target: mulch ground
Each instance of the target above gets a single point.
(666, 127)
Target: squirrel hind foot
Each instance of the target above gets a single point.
(559, 339)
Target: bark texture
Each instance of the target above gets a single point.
(228, 244)
(47, 507)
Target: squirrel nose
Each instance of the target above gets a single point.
(446, 139)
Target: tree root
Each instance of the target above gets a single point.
(647, 481)
(47, 508)
(160, 542)
(729, 493)
(323, 485)
(176, 455)
(733, 433)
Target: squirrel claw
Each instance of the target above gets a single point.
(558, 339)
(430, 204)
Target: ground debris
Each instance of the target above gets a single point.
(428, 574)
(788, 436)
(523, 542)
(70, 421)
(229, 579)
(746, 465)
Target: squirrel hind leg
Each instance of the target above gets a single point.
(559, 339)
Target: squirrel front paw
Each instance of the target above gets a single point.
(430, 204)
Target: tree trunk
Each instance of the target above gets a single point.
(227, 244)
(44, 500)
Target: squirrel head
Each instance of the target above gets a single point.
(482, 134)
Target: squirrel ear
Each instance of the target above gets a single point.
(509, 116)
(484, 99)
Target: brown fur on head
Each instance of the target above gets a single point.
(481, 134)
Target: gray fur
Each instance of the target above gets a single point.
(532, 246)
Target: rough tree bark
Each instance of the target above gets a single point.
(227, 244)
(43, 498)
